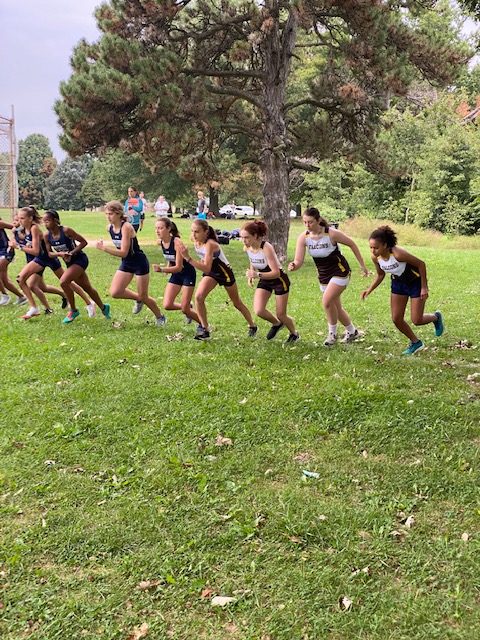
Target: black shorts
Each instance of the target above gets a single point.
(224, 277)
(137, 265)
(279, 286)
(183, 279)
(53, 263)
(80, 259)
(7, 255)
(410, 289)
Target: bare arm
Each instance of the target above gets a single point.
(128, 233)
(80, 240)
(273, 263)
(378, 280)
(299, 253)
(342, 238)
(179, 247)
(204, 265)
(37, 237)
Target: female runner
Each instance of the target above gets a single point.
(265, 266)
(409, 280)
(7, 253)
(216, 271)
(134, 262)
(321, 241)
(68, 244)
(182, 274)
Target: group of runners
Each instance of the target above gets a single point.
(320, 240)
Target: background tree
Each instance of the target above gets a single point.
(63, 189)
(35, 164)
(170, 79)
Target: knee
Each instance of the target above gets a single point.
(282, 317)
(115, 293)
(417, 320)
(397, 319)
(185, 308)
(199, 298)
(64, 280)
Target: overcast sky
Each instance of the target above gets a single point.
(37, 40)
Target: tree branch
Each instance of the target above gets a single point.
(243, 95)
(224, 74)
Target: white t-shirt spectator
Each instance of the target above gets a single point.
(161, 207)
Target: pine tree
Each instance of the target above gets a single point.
(173, 80)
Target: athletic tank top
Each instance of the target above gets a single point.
(218, 256)
(117, 241)
(24, 239)
(328, 258)
(62, 243)
(398, 270)
(169, 253)
(3, 240)
(258, 259)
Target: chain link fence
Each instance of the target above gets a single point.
(8, 165)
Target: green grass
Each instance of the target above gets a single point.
(110, 475)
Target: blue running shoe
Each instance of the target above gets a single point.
(70, 317)
(438, 324)
(413, 347)
(106, 311)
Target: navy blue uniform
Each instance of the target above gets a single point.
(5, 251)
(135, 261)
(43, 258)
(184, 278)
(65, 243)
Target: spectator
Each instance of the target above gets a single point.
(161, 207)
(133, 209)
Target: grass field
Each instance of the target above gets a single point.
(123, 514)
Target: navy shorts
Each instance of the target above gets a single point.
(81, 259)
(184, 278)
(410, 289)
(53, 263)
(8, 255)
(138, 265)
(279, 286)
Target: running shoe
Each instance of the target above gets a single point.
(350, 337)
(4, 299)
(161, 321)
(20, 300)
(330, 340)
(413, 347)
(106, 311)
(31, 313)
(137, 307)
(292, 338)
(438, 324)
(64, 302)
(70, 317)
(252, 331)
(48, 311)
(202, 335)
(91, 309)
(274, 329)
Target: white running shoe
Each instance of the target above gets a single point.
(4, 299)
(161, 321)
(330, 340)
(137, 307)
(91, 310)
(20, 300)
(31, 313)
(350, 337)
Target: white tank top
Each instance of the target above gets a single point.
(392, 265)
(320, 247)
(200, 250)
(258, 259)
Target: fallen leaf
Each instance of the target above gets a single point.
(365, 453)
(244, 401)
(49, 463)
(345, 603)
(409, 522)
(398, 536)
(465, 537)
(296, 540)
(79, 413)
(139, 632)
(206, 593)
(145, 585)
(117, 325)
(303, 457)
(222, 601)
(230, 627)
(221, 441)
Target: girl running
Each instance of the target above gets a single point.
(409, 280)
(321, 241)
(7, 253)
(216, 271)
(62, 241)
(265, 266)
(182, 274)
(134, 262)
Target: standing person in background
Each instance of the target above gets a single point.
(202, 207)
(216, 271)
(161, 207)
(7, 253)
(265, 266)
(409, 280)
(134, 262)
(133, 209)
(321, 241)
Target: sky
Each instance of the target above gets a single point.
(38, 37)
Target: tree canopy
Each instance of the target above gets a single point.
(174, 80)
(35, 164)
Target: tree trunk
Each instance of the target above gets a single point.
(213, 200)
(275, 152)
